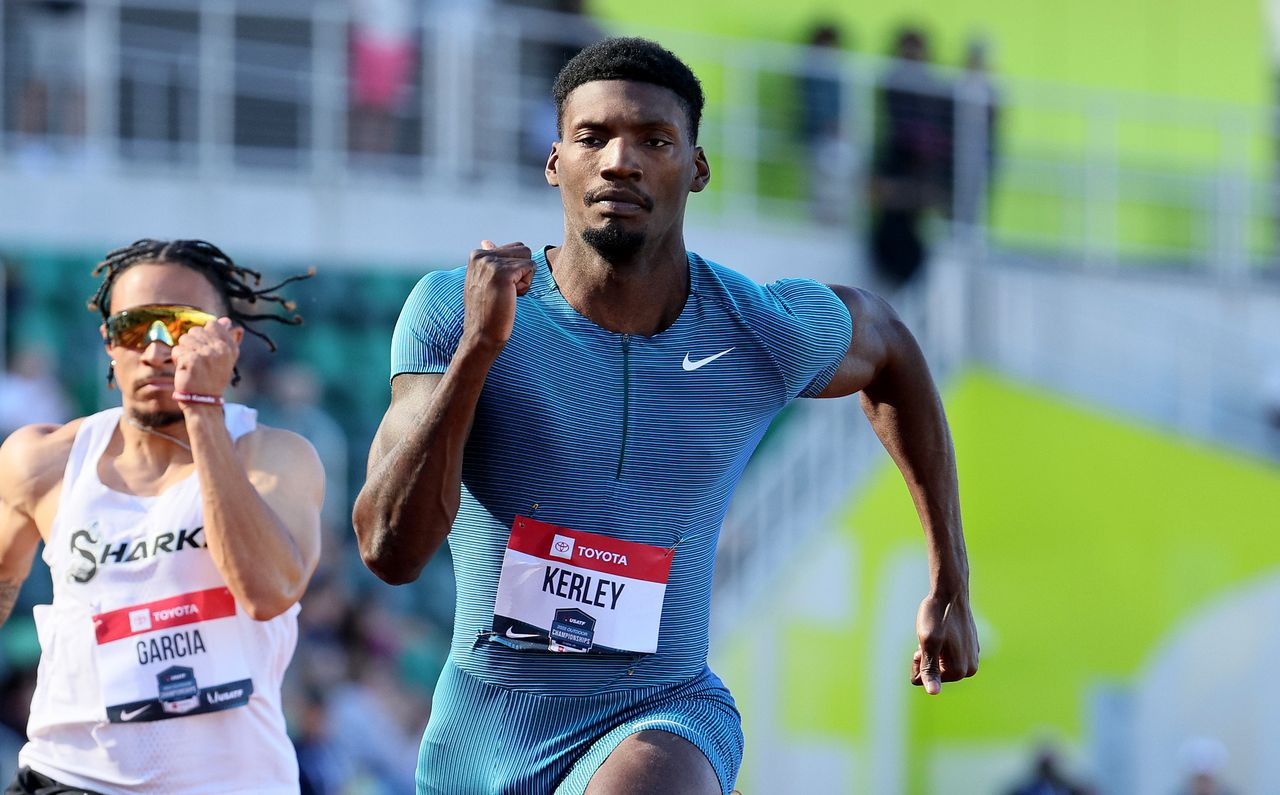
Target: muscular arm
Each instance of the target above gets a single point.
(262, 499)
(885, 364)
(32, 461)
(414, 482)
(18, 542)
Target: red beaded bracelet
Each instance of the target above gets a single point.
(196, 397)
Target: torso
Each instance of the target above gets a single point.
(638, 438)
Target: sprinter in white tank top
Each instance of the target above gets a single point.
(180, 535)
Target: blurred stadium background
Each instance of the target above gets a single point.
(1099, 297)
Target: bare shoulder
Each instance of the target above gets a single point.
(863, 304)
(268, 447)
(876, 329)
(33, 460)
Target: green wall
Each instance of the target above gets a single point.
(1187, 48)
(1090, 539)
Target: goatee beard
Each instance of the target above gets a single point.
(156, 419)
(613, 242)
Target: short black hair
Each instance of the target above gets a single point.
(635, 59)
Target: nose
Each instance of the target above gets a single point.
(619, 161)
(157, 353)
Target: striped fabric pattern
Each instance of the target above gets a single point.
(617, 434)
(488, 739)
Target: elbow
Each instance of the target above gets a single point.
(390, 570)
(265, 609)
(389, 564)
(394, 554)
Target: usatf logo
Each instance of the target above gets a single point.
(92, 552)
(562, 547)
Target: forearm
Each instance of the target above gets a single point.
(412, 491)
(904, 408)
(250, 545)
(8, 596)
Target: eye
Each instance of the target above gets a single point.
(658, 143)
(589, 140)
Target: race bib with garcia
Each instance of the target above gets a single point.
(172, 657)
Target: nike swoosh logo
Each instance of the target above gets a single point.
(690, 365)
(130, 714)
(516, 635)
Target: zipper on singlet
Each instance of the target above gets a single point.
(626, 400)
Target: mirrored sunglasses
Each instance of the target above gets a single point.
(138, 327)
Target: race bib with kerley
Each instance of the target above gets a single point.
(172, 657)
(571, 591)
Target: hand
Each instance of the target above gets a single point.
(496, 275)
(948, 650)
(205, 358)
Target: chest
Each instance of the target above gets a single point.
(575, 398)
(104, 540)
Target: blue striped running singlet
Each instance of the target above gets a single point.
(638, 438)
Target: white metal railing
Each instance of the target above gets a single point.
(230, 86)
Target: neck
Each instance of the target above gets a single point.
(154, 443)
(642, 294)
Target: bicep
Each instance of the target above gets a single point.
(19, 539)
(288, 476)
(32, 461)
(869, 346)
(410, 395)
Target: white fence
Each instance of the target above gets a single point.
(233, 87)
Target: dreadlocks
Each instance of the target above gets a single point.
(232, 282)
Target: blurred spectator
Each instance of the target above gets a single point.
(322, 768)
(16, 689)
(1047, 778)
(976, 118)
(294, 402)
(383, 54)
(912, 171)
(29, 392)
(828, 150)
(348, 679)
(51, 104)
(550, 41)
(1271, 406)
(1203, 759)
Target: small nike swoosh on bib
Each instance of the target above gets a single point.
(689, 365)
(130, 714)
(517, 635)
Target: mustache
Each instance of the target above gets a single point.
(143, 379)
(614, 194)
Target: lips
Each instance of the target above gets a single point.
(619, 200)
(155, 382)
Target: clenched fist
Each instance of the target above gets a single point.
(205, 358)
(496, 276)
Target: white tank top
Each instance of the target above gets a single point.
(152, 679)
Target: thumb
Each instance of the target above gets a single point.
(930, 675)
(487, 244)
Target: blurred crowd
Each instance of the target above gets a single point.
(933, 154)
